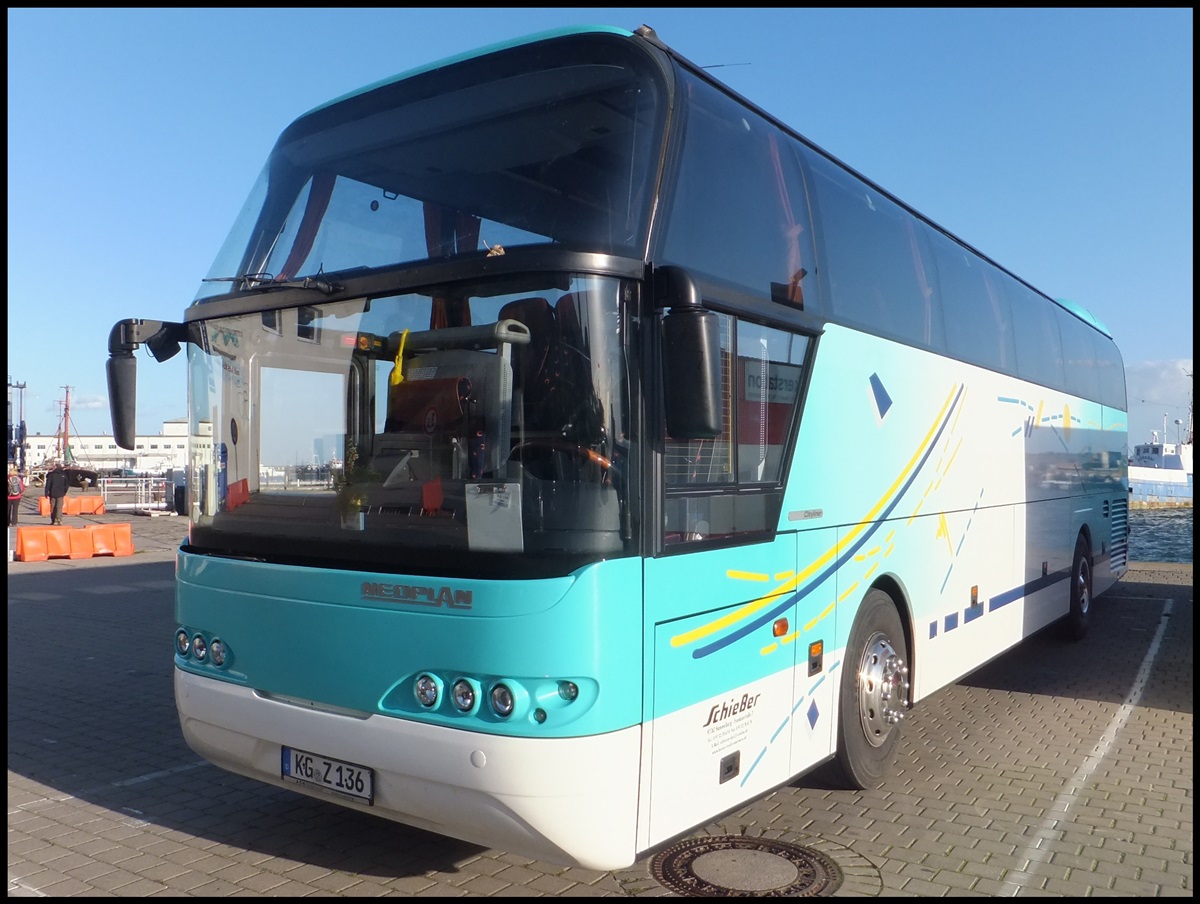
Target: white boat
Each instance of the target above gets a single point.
(1160, 473)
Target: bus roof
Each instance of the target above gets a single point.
(478, 52)
(1071, 307)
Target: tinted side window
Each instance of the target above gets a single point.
(739, 213)
(1110, 372)
(698, 462)
(1039, 348)
(974, 307)
(1079, 356)
(879, 265)
(770, 373)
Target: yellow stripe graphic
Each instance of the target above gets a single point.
(830, 554)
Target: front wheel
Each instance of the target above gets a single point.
(1075, 625)
(874, 693)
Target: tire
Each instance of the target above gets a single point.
(874, 693)
(1075, 625)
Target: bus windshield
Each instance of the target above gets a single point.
(404, 430)
(558, 148)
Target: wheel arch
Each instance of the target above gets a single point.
(1085, 531)
(894, 587)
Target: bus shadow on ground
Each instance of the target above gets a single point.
(1034, 703)
(91, 715)
(1105, 664)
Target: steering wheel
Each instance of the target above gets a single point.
(579, 451)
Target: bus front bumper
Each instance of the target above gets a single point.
(566, 800)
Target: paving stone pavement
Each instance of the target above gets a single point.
(1057, 770)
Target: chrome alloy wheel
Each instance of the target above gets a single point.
(1083, 586)
(882, 689)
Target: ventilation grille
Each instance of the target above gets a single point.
(1118, 541)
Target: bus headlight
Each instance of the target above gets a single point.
(217, 650)
(426, 689)
(464, 695)
(199, 648)
(568, 690)
(183, 643)
(502, 701)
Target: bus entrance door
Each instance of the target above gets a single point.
(818, 665)
(722, 681)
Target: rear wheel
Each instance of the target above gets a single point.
(1075, 625)
(874, 693)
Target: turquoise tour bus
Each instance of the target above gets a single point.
(578, 453)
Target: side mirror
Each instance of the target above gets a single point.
(163, 340)
(691, 356)
(122, 398)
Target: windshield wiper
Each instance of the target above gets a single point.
(264, 282)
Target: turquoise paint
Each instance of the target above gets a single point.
(305, 633)
(841, 558)
(680, 680)
(713, 583)
(473, 54)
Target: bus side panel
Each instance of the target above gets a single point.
(970, 558)
(958, 533)
(1052, 489)
(901, 451)
(720, 683)
(946, 479)
(1072, 482)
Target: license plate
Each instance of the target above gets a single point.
(347, 780)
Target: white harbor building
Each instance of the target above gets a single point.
(159, 454)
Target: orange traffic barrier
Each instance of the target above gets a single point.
(74, 505)
(36, 544)
(31, 544)
(41, 542)
(58, 542)
(104, 542)
(112, 539)
(79, 542)
(239, 492)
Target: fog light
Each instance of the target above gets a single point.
(568, 690)
(502, 701)
(426, 690)
(464, 695)
(199, 648)
(217, 649)
(183, 643)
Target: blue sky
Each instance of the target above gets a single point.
(1058, 142)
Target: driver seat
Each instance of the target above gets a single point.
(536, 366)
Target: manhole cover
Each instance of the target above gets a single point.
(737, 866)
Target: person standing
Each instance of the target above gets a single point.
(16, 492)
(57, 483)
